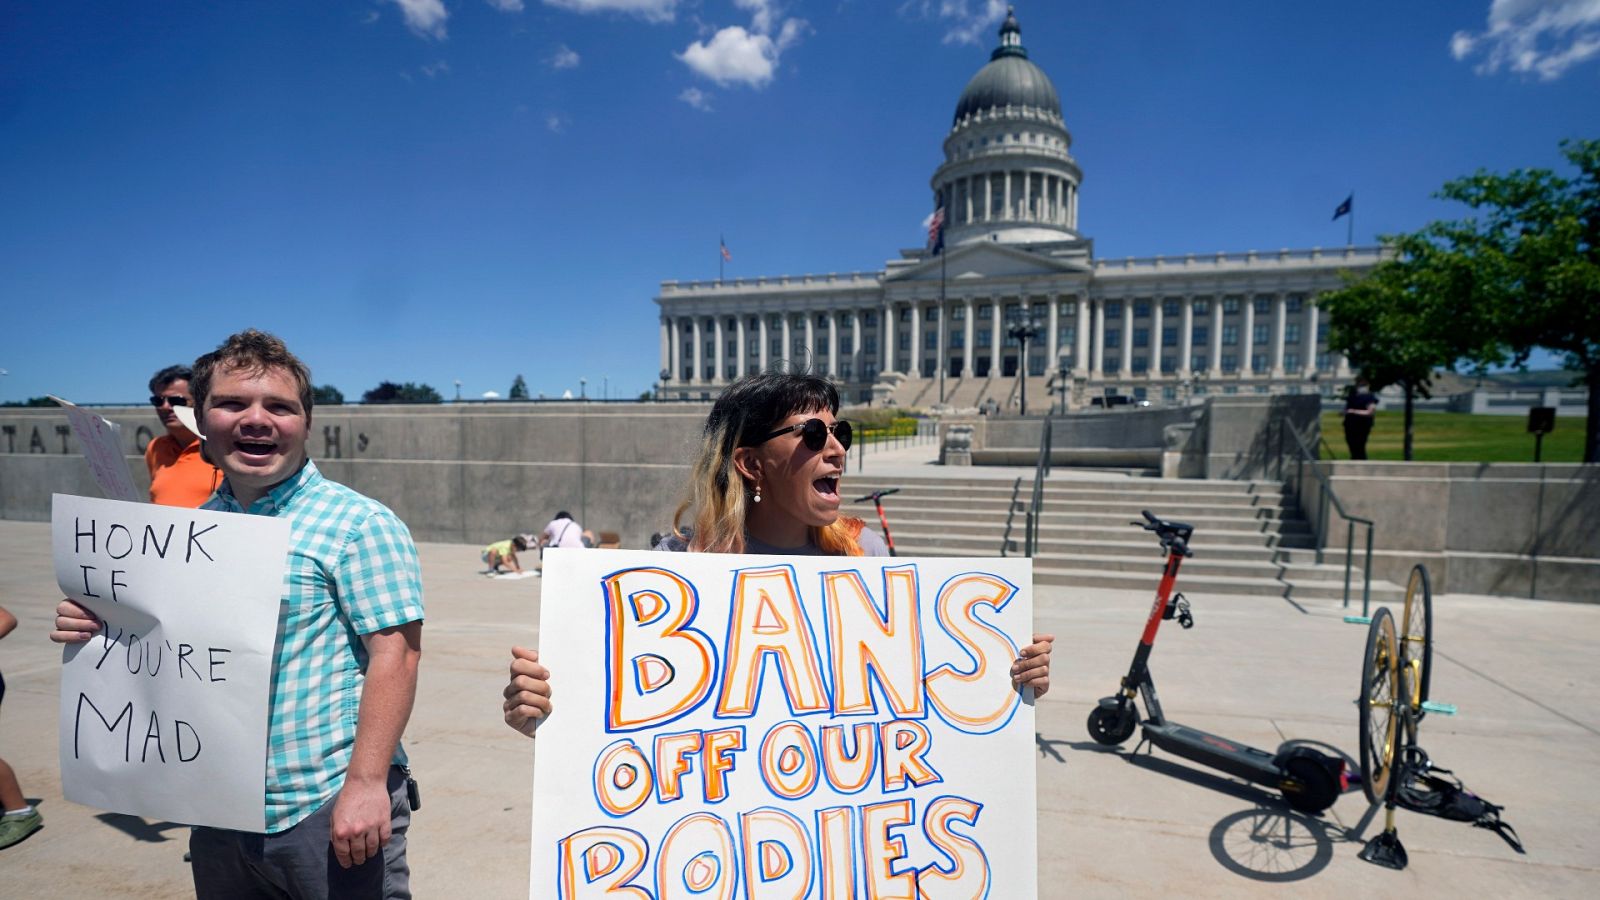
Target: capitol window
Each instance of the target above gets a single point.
(1230, 336)
(1263, 304)
(1141, 309)
(1230, 305)
(1291, 333)
(1113, 337)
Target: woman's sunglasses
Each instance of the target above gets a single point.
(169, 399)
(814, 433)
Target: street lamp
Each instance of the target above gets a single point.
(458, 390)
(1024, 332)
(583, 388)
(661, 386)
(605, 387)
(1063, 380)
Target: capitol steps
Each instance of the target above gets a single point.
(1249, 539)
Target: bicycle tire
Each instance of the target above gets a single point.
(1379, 668)
(1416, 638)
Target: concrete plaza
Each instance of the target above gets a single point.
(1255, 669)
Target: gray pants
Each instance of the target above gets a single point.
(299, 864)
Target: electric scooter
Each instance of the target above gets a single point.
(1309, 779)
(877, 500)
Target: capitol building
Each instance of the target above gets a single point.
(1017, 291)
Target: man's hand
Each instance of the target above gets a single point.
(361, 821)
(528, 692)
(74, 624)
(1032, 668)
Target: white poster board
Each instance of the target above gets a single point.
(102, 447)
(762, 726)
(164, 713)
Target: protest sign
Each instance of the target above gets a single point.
(762, 726)
(164, 712)
(103, 449)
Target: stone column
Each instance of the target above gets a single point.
(1186, 336)
(1216, 336)
(1027, 195)
(988, 196)
(1308, 340)
(833, 343)
(1072, 208)
(811, 342)
(666, 344)
(788, 341)
(740, 357)
(699, 353)
(1280, 316)
(1054, 341)
(720, 352)
(762, 338)
(1098, 362)
(968, 365)
(1080, 359)
(857, 360)
(1127, 339)
(1007, 212)
(1157, 321)
(997, 347)
(914, 365)
(941, 361)
(886, 336)
(675, 356)
(1247, 337)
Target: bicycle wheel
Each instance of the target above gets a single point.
(1377, 702)
(1416, 637)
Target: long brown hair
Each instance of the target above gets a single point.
(718, 496)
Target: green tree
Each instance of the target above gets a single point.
(389, 392)
(1531, 259)
(327, 395)
(30, 402)
(519, 389)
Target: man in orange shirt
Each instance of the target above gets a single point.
(179, 474)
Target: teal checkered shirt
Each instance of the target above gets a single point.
(352, 570)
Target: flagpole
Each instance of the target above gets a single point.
(944, 313)
(1350, 227)
(722, 259)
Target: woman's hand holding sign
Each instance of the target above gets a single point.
(1032, 668)
(528, 693)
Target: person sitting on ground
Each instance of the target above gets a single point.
(17, 818)
(564, 532)
(504, 553)
(766, 481)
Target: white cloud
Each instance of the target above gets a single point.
(556, 122)
(970, 21)
(435, 69)
(1543, 38)
(649, 10)
(509, 6)
(424, 17)
(564, 58)
(696, 98)
(736, 55)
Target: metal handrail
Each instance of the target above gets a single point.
(1011, 513)
(1330, 499)
(1041, 471)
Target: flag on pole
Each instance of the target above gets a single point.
(936, 230)
(1345, 208)
(726, 256)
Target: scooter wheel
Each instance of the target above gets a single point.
(1111, 726)
(1315, 788)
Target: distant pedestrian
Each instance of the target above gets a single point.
(179, 473)
(504, 553)
(17, 818)
(1359, 406)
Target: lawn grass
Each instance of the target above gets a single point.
(1460, 437)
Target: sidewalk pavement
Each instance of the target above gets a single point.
(1254, 669)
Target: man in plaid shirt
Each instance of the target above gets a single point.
(349, 642)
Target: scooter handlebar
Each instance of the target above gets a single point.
(875, 495)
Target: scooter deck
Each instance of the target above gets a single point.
(1240, 760)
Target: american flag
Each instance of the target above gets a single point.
(726, 256)
(936, 230)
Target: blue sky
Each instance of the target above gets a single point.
(417, 190)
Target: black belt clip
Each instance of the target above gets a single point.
(413, 793)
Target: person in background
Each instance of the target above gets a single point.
(504, 553)
(564, 532)
(766, 481)
(17, 818)
(1359, 406)
(179, 473)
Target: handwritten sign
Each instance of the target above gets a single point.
(164, 712)
(103, 449)
(762, 726)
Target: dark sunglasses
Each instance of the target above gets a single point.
(814, 433)
(169, 399)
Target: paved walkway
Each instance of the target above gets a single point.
(1255, 669)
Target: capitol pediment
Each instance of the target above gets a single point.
(988, 260)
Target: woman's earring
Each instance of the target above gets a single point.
(757, 497)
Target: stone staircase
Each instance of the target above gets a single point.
(1248, 538)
